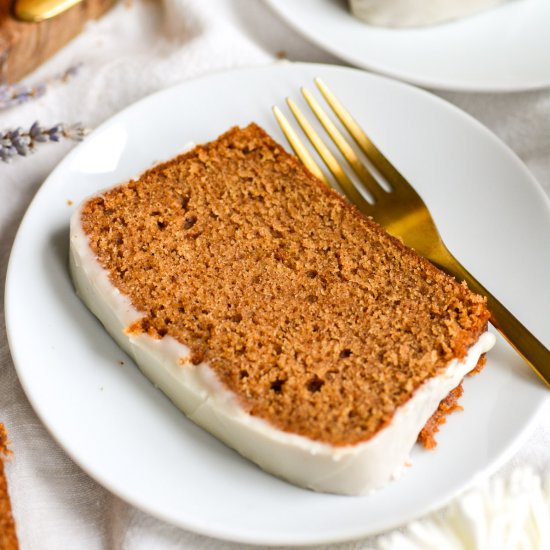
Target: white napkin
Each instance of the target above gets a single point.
(136, 49)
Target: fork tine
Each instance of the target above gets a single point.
(328, 158)
(381, 163)
(349, 154)
(297, 146)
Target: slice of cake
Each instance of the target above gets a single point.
(273, 313)
(415, 13)
(8, 536)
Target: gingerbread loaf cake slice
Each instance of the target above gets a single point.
(8, 535)
(273, 313)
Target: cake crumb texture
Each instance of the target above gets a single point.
(319, 321)
(8, 536)
(447, 406)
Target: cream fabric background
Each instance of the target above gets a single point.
(158, 44)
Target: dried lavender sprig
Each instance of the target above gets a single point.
(20, 142)
(16, 94)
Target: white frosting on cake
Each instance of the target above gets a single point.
(196, 390)
(412, 13)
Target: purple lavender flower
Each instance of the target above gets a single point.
(16, 94)
(23, 142)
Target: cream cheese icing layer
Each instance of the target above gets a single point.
(196, 390)
(411, 13)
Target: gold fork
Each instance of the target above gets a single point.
(400, 211)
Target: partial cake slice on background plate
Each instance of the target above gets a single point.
(274, 314)
(8, 534)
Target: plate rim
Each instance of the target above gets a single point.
(432, 83)
(205, 529)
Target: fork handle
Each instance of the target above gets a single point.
(526, 344)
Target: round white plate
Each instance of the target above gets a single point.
(131, 439)
(503, 49)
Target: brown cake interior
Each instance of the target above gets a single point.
(318, 320)
(8, 536)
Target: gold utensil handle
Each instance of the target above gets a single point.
(526, 344)
(33, 11)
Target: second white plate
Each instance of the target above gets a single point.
(500, 50)
(131, 439)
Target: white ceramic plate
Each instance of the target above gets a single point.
(502, 49)
(132, 440)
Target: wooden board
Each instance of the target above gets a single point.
(24, 46)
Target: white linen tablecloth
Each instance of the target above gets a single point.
(136, 49)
